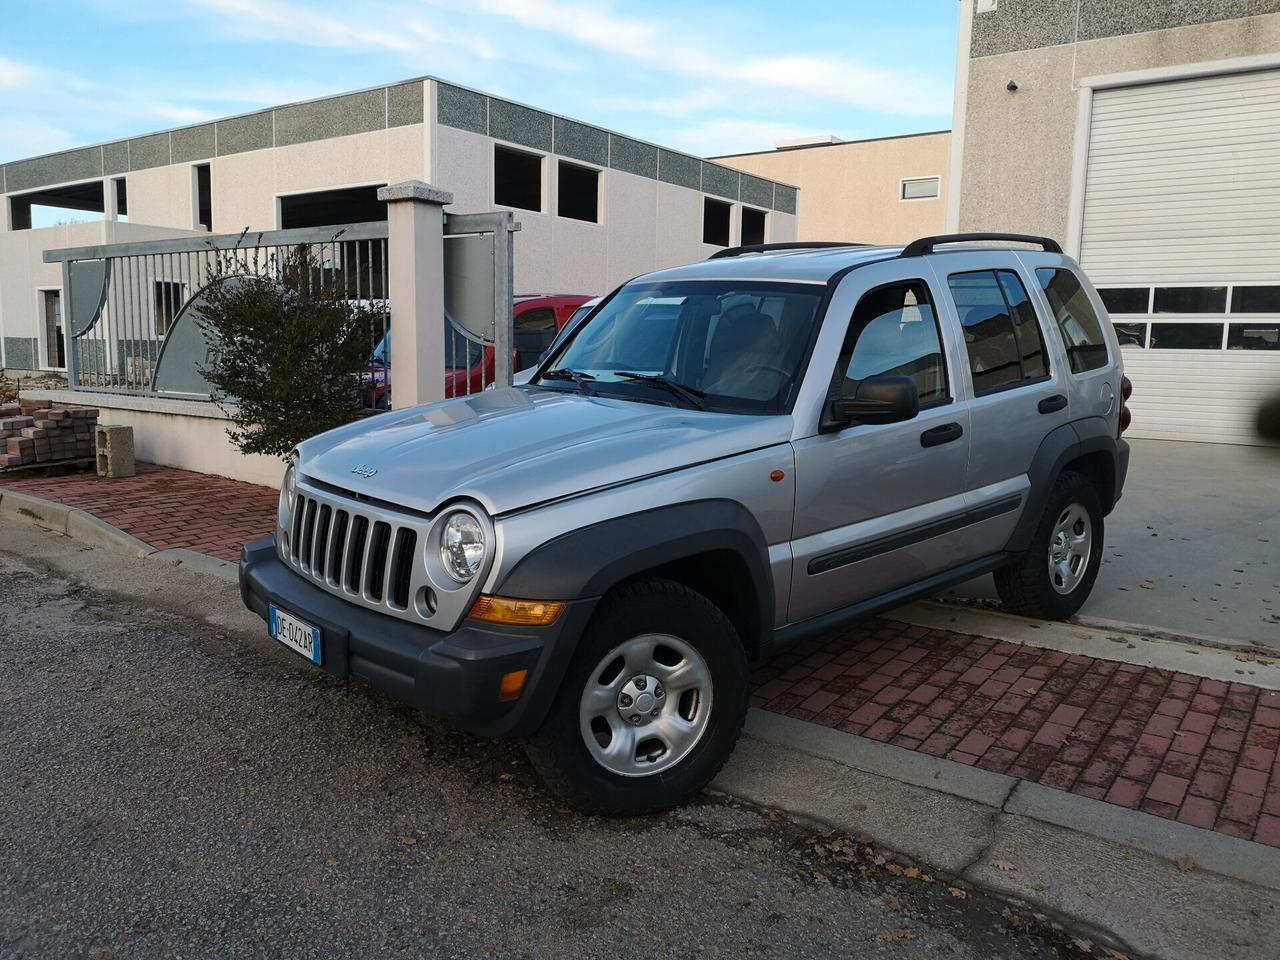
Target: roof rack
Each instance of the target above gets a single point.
(918, 248)
(771, 247)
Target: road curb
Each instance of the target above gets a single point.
(1085, 864)
(93, 531)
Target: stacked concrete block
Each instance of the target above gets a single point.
(115, 451)
(34, 432)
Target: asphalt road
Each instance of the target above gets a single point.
(174, 788)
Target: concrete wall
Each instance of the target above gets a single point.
(1016, 168)
(645, 223)
(23, 273)
(175, 433)
(851, 191)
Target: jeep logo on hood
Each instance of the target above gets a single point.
(364, 470)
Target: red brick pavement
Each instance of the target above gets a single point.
(166, 507)
(1203, 752)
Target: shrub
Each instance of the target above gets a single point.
(287, 348)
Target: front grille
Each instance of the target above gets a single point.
(361, 556)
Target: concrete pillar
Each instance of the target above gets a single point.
(109, 205)
(415, 277)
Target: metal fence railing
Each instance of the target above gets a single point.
(129, 306)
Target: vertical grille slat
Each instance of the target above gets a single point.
(400, 574)
(322, 540)
(379, 544)
(355, 565)
(338, 547)
(295, 538)
(308, 532)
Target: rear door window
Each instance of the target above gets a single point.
(1081, 329)
(1001, 332)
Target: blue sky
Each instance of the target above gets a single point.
(712, 77)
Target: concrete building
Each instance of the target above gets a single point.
(1145, 137)
(596, 207)
(887, 190)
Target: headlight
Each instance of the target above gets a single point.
(462, 546)
(288, 493)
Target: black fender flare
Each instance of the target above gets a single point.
(1063, 445)
(589, 561)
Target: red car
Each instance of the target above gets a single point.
(469, 364)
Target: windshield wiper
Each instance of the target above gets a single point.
(579, 377)
(689, 394)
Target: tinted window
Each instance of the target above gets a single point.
(989, 336)
(517, 178)
(1254, 336)
(1081, 331)
(894, 331)
(1186, 336)
(533, 332)
(1190, 300)
(1025, 325)
(1131, 334)
(715, 222)
(1126, 299)
(1255, 299)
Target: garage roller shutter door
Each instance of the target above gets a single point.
(1183, 187)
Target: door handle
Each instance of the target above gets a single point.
(1052, 404)
(943, 434)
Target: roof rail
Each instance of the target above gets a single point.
(918, 248)
(771, 247)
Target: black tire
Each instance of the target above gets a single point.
(558, 752)
(1025, 586)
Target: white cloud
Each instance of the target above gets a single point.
(20, 138)
(13, 74)
(830, 79)
(720, 137)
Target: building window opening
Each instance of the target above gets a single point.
(715, 222)
(517, 179)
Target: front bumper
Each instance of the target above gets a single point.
(453, 675)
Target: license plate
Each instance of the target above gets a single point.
(297, 635)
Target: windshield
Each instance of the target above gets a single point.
(460, 352)
(736, 346)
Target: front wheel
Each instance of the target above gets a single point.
(651, 706)
(1052, 579)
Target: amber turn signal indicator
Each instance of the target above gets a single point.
(777, 476)
(516, 613)
(512, 684)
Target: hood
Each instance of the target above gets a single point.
(511, 448)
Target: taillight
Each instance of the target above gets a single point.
(1126, 391)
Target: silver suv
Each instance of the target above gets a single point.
(721, 459)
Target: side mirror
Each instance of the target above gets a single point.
(883, 399)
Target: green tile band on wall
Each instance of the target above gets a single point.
(334, 117)
(632, 156)
(84, 164)
(463, 109)
(679, 169)
(757, 192)
(21, 353)
(115, 158)
(242, 134)
(784, 198)
(577, 141)
(519, 124)
(719, 180)
(191, 143)
(404, 104)
(147, 152)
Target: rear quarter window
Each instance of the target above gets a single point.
(1075, 317)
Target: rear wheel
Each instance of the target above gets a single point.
(1052, 579)
(651, 706)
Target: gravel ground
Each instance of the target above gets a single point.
(172, 789)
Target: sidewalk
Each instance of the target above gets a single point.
(1203, 752)
(166, 507)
